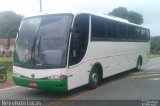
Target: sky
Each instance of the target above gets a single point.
(150, 9)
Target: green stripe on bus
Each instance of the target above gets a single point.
(55, 85)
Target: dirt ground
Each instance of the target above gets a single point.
(6, 84)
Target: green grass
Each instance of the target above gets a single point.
(9, 76)
(5, 59)
(154, 55)
(7, 63)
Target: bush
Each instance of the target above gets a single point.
(8, 65)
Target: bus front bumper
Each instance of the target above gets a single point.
(55, 85)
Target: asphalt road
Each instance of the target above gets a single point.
(131, 85)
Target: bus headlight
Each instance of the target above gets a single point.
(15, 74)
(56, 77)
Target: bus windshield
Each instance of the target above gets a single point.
(42, 41)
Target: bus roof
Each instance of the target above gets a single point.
(103, 15)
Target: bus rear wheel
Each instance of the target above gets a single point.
(93, 79)
(139, 64)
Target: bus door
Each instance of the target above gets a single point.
(78, 47)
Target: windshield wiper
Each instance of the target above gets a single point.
(40, 53)
(39, 46)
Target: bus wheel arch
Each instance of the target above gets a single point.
(96, 71)
(139, 63)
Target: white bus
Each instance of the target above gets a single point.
(66, 50)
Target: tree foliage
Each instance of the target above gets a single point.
(9, 21)
(155, 44)
(131, 16)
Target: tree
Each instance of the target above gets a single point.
(135, 17)
(131, 16)
(9, 21)
(121, 12)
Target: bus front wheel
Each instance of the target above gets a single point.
(93, 78)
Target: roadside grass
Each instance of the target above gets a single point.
(5, 59)
(154, 55)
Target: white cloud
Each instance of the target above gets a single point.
(19, 6)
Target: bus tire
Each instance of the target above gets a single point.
(93, 78)
(139, 64)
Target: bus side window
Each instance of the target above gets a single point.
(98, 28)
(143, 34)
(138, 33)
(122, 31)
(79, 40)
(147, 35)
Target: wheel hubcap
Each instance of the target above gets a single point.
(139, 66)
(94, 78)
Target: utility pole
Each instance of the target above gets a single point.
(40, 5)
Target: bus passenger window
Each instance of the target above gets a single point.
(98, 31)
(122, 31)
(131, 33)
(112, 29)
(138, 34)
(147, 35)
(143, 34)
